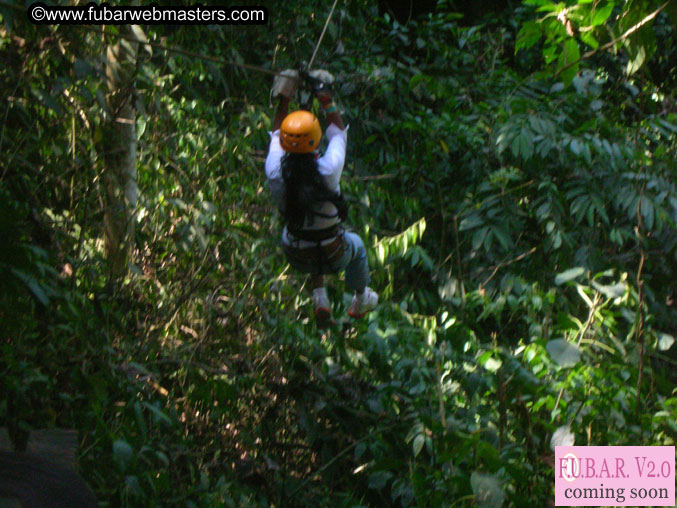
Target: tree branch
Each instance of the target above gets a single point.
(618, 39)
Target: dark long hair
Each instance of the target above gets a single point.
(305, 190)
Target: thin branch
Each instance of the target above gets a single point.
(618, 39)
(584, 330)
(506, 263)
(344, 451)
(640, 304)
(385, 176)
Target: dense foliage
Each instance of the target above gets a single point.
(518, 201)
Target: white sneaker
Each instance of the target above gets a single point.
(322, 307)
(364, 303)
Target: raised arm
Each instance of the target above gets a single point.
(283, 87)
(321, 81)
(281, 113)
(330, 110)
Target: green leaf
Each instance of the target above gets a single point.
(133, 486)
(526, 145)
(32, 284)
(83, 69)
(470, 222)
(157, 413)
(568, 61)
(529, 34)
(562, 437)
(550, 53)
(122, 454)
(503, 237)
(487, 489)
(569, 274)
(492, 364)
(557, 241)
(49, 101)
(557, 87)
(419, 441)
(360, 449)
(590, 40)
(379, 479)
(587, 154)
(563, 352)
(596, 105)
(670, 126)
(601, 15)
(140, 421)
(543, 5)
(638, 56)
(665, 341)
(141, 123)
(615, 291)
(515, 146)
(478, 237)
(647, 211)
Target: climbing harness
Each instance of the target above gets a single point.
(322, 256)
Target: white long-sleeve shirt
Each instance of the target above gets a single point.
(330, 166)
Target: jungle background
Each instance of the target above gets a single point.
(511, 167)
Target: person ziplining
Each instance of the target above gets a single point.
(306, 189)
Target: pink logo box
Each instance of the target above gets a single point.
(615, 476)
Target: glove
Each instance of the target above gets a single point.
(285, 83)
(322, 76)
(321, 81)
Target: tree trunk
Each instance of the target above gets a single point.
(119, 150)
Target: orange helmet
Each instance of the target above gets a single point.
(300, 132)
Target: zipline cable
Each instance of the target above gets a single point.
(326, 24)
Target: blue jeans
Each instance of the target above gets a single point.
(353, 261)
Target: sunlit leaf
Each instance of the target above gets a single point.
(637, 60)
(590, 40)
(487, 489)
(529, 34)
(602, 14)
(417, 446)
(562, 437)
(568, 275)
(568, 62)
(613, 291)
(665, 341)
(563, 352)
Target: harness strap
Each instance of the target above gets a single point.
(315, 235)
(326, 215)
(322, 256)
